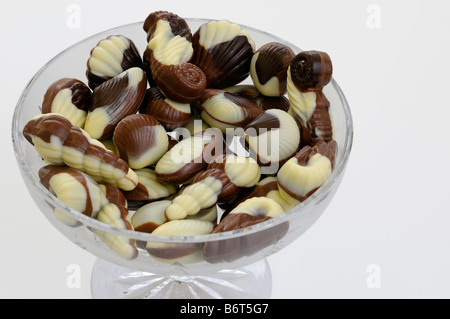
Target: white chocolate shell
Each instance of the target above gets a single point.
(149, 188)
(151, 216)
(259, 206)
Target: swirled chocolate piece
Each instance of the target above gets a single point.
(149, 188)
(269, 68)
(112, 194)
(118, 217)
(75, 189)
(151, 216)
(140, 140)
(168, 54)
(169, 113)
(252, 211)
(219, 183)
(250, 92)
(224, 110)
(114, 100)
(189, 157)
(223, 50)
(303, 174)
(308, 73)
(59, 142)
(272, 138)
(70, 98)
(178, 25)
(187, 227)
(111, 57)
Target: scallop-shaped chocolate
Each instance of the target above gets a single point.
(250, 92)
(223, 50)
(224, 110)
(140, 140)
(308, 73)
(272, 138)
(169, 113)
(70, 98)
(269, 68)
(114, 100)
(110, 57)
(178, 25)
(168, 55)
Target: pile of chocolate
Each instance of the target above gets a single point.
(146, 146)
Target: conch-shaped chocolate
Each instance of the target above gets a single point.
(308, 73)
(168, 54)
(110, 57)
(59, 142)
(223, 50)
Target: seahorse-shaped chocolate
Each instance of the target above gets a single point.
(59, 142)
(308, 73)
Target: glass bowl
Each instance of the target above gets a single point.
(240, 272)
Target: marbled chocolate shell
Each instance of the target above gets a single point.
(70, 98)
(250, 92)
(269, 68)
(140, 140)
(223, 50)
(169, 113)
(110, 57)
(114, 100)
(168, 56)
(224, 110)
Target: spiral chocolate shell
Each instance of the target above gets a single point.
(223, 50)
(168, 56)
(110, 57)
(70, 98)
(114, 100)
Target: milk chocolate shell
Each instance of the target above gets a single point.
(223, 50)
(269, 68)
(168, 55)
(70, 98)
(114, 100)
(110, 57)
(250, 92)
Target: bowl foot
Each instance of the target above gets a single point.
(110, 281)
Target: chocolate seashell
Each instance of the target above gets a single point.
(168, 55)
(303, 174)
(308, 73)
(223, 50)
(272, 138)
(169, 113)
(250, 92)
(224, 110)
(114, 100)
(110, 57)
(140, 140)
(59, 142)
(177, 24)
(269, 68)
(70, 98)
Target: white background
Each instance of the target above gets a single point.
(392, 209)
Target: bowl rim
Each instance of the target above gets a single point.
(140, 236)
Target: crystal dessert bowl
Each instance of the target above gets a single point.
(235, 265)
